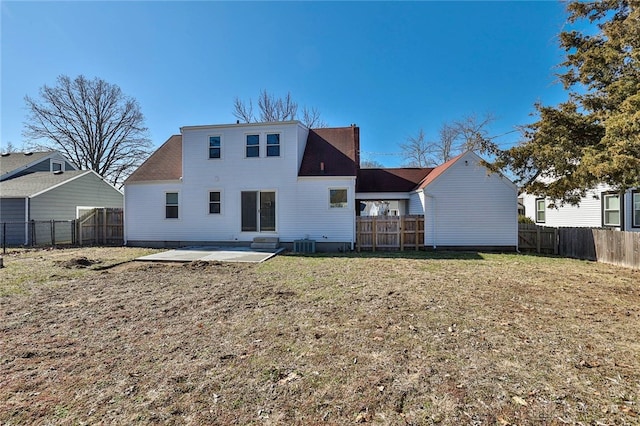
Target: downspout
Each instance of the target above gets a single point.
(433, 214)
(26, 221)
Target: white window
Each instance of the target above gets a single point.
(635, 201)
(273, 145)
(215, 147)
(611, 209)
(253, 146)
(214, 202)
(171, 205)
(540, 210)
(338, 198)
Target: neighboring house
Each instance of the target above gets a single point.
(601, 208)
(44, 186)
(230, 184)
(464, 204)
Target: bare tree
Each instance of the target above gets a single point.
(370, 164)
(243, 111)
(466, 134)
(417, 151)
(9, 147)
(93, 123)
(311, 118)
(274, 109)
(474, 134)
(446, 147)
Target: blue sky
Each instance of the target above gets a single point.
(390, 67)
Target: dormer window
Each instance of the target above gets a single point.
(57, 166)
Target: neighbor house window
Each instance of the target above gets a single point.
(338, 198)
(635, 201)
(57, 166)
(171, 205)
(214, 202)
(253, 146)
(214, 147)
(540, 210)
(273, 145)
(611, 209)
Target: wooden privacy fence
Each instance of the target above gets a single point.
(389, 232)
(538, 239)
(101, 226)
(603, 245)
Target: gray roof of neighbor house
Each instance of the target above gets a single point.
(14, 160)
(331, 151)
(164, 164)
(33, 183)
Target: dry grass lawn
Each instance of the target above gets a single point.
(381, 339)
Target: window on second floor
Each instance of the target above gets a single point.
(273, 145)
(214, 147)
(253, 146)
(611, 208)
(541, 210)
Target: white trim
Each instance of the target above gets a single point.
(209, 136)
(26, 221)
(337, 208)
(221, 126)
(164, 214)
(221, 192)
(61, 163)
(383, 195)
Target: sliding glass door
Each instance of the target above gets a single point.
(258, 211)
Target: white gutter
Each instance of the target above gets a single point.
(433, 214)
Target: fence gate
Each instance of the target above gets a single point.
(389, 232)
(101, 226)
(539, 239)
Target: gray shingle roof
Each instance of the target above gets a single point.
(16, 160)
(28, 185)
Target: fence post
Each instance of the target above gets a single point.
(4, 237)
(538, 240)
(104, 226)
(53, 233)
(33, 232)
(374, 236)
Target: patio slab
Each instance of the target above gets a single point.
(212, 254)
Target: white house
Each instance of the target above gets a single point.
(464, 204)
(233, 183)
(601, 208)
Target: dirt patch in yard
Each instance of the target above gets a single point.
(481, 339)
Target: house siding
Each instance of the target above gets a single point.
(60, 203)
(587, 214)
(416, 203)
(12, 213)
(473, 208)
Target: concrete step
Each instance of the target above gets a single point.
(265, 243)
